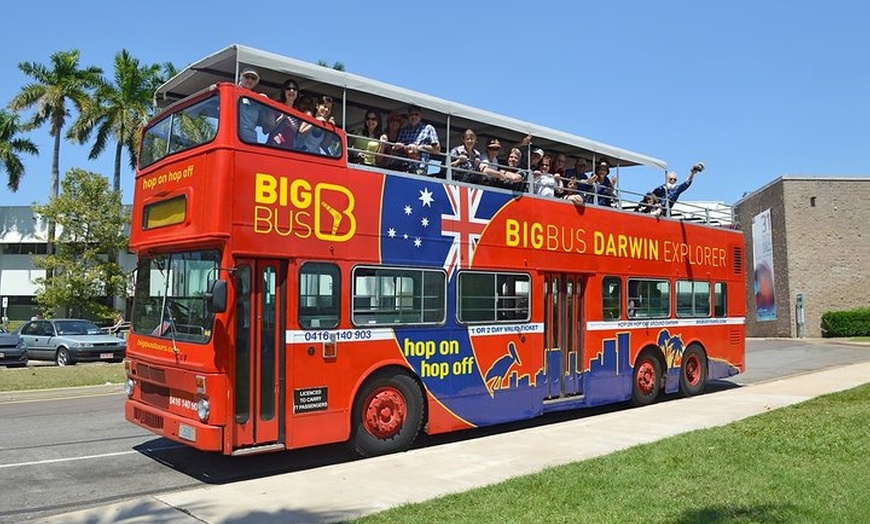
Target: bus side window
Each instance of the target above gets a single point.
(319, 287)
(611, 298)
(719, 296)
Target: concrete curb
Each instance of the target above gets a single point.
(348, 490)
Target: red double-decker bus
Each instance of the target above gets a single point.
(288, 297)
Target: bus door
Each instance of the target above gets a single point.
(563, 334)
(260, 296)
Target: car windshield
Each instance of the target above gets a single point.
(76, 327)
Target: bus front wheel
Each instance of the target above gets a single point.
(387, 414)
(693, 371)
(647, 379)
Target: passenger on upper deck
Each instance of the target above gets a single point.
(394, 123)
(575, 179)
(513, 177)
(249, 113)
(670, 191)
(603, 191)
(367, 140)
(544, 182)
(489, 166)
(465, 159)
(650, 204)
(283, 133)
(417, 141)
(311, 137)
(537, 156)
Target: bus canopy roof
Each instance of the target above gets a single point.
(354, 93)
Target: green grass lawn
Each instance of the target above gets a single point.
(804, 463)
(48, 377)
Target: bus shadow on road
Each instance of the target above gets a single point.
(213, 468)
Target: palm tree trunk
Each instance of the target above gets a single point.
(53, 191)
(116, 183)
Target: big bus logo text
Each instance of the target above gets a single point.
(552, 237)
(293, 207)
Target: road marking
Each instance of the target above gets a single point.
(88, 457)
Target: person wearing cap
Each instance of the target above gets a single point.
(489, 166)
(602, 185)
(249, 112)
(670, 191)
(537, 156)
(417, 141)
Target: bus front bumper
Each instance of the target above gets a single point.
(180, 429)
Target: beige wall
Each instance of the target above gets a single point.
(821, 249)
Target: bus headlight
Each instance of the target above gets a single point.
(203, 409)
(129, 385)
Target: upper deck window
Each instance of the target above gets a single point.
(183, 129)
(260, 124)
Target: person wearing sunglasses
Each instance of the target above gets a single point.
(670, 191)
(286, 126)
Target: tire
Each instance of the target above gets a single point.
(646, 381)
(693, 371)
(62, 357)
(387, 414)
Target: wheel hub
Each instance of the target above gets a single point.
(385, 413)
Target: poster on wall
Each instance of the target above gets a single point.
(762, 249)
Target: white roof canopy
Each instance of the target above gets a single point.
(354, 93)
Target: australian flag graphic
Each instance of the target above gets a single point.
(432, 224)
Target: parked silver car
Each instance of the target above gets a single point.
(67, 341)
(13, 353)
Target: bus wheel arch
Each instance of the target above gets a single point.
(388, 412)
(648, 376)
(694, 370)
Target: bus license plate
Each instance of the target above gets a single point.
(187, 432)
(106, 355)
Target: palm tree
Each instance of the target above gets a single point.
(49, 93)
(120, 110)
(11, 146)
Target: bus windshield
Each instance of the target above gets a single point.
(170, 295)
(184, 129)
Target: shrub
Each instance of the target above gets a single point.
(852, 323)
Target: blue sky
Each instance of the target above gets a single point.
(755, 89)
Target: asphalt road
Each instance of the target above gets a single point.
(59, 455)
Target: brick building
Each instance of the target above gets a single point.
(812, 235)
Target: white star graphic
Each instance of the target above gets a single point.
(426, 197)
(407, 210)
(418, 242)
(425, 222)
(391, 233)
(405, 236)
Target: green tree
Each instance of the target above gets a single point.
(12, 147)
(338, 66)
(92, 222)
(120, 110)
(49, 93)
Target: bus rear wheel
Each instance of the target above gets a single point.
(693, 371)
(387, 414)
(647, 379)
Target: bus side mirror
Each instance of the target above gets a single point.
(216, 298)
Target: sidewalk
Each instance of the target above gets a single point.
(345, 491)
